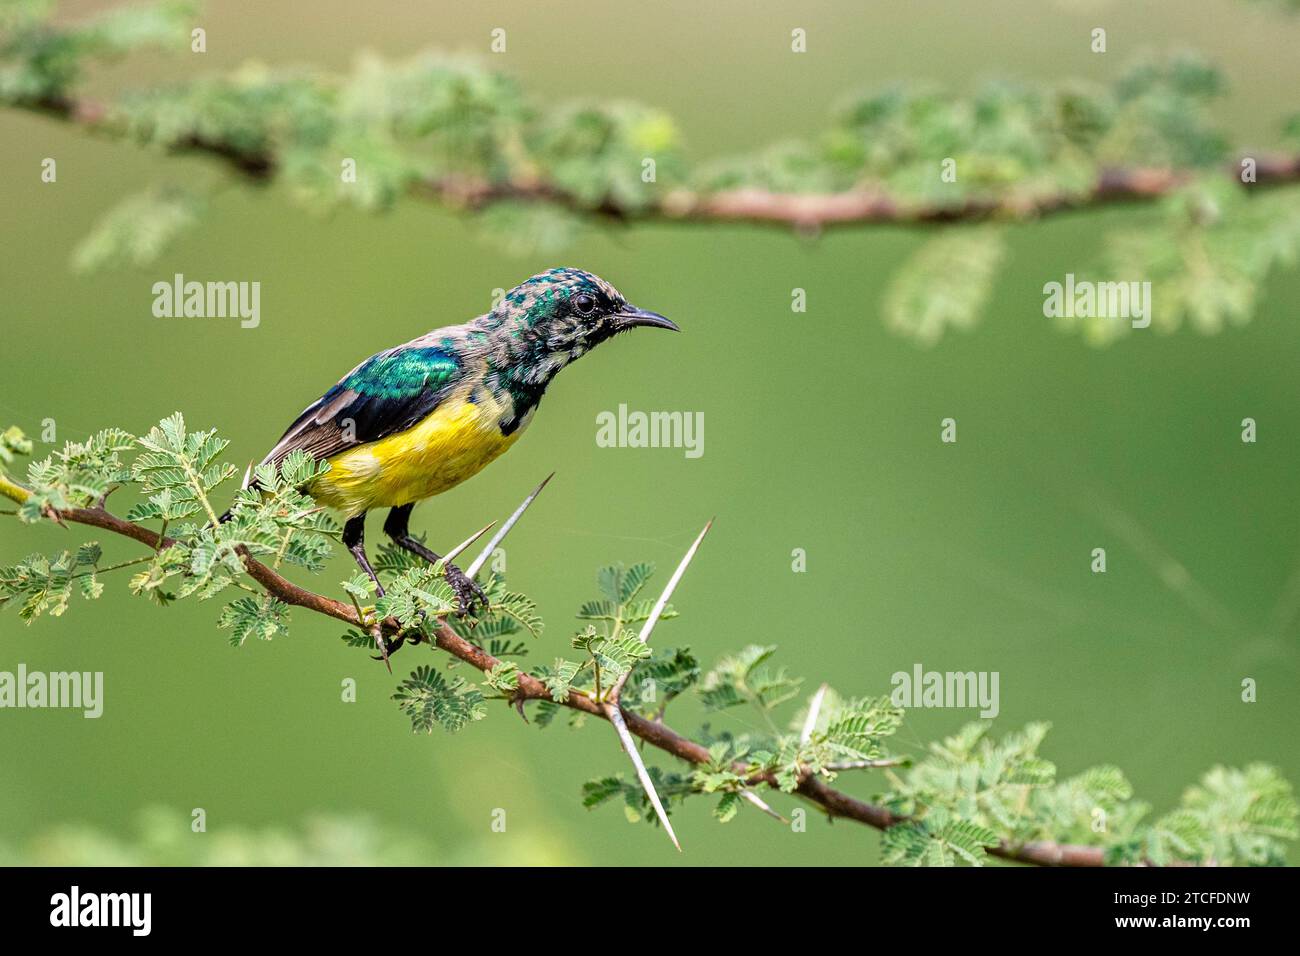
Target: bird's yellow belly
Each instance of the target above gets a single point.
(453, 443)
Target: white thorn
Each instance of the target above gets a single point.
(447, 558)
(629, 745)
(757, 801)
(653, 619)
(658, 609)
(497, 538)
(814, 711)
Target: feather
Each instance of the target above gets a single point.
(386, 394)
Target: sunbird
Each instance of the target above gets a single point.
(415, 420)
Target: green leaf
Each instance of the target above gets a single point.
(742, 678)
(78, 476)
(658, 679)
(517, 607)
(1232, 817)
(360, 587)
(40, 585)
(626, 614)
(354, 638)
(138, 229)
(728, 806)
(428, 698)
(614, 655)
(941, 841)
(263, 618)
(503, 677)
(558, 678)
(610, 581)
(601, 790)
(1105, 784)
(417, 596)
(13, 443)
(671, 787)
(945, 284)
(908, 844)
(182, 463)
(1002, 785)
(968, 840)
(634, 579)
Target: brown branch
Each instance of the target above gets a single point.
(654, 733)
(809, 212)
(814, 212)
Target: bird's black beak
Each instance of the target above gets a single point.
(630, 317)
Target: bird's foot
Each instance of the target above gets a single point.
(468, 593)
(393, 644)
(390, 645)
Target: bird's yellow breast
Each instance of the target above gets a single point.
(452, 443)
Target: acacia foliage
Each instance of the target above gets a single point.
(536, 173)
(957, 799)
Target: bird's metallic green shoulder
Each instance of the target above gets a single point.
(404, 371)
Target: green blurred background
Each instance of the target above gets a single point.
(822, 433)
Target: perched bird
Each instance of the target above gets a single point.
(415, 420)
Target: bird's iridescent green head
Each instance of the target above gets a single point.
(561, 314)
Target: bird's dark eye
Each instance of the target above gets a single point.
(584, 304)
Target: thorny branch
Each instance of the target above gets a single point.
(834, 802)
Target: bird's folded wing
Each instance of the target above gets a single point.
(387, 393)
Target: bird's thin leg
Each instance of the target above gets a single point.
(354, 535)
(467, 592)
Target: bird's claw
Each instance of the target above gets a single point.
(468, 593)
(389, 646)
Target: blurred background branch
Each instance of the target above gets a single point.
(448, 129)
